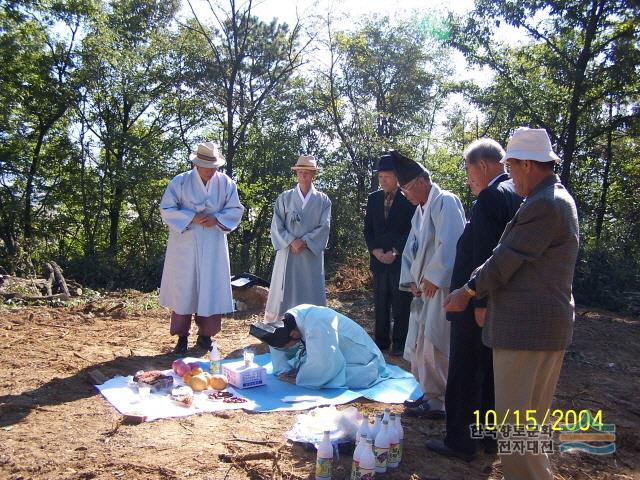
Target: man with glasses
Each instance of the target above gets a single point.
(427, 264)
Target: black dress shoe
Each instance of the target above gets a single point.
(181, 346)
(204, 342)
(414, 403)
(424, 410)
(440, 448)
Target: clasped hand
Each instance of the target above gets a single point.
(298, 245)
(386, 258)
(205, 220)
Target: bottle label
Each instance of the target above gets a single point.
(381, 457)
(214, 367)
(355, 472)
(366, 474)
(324, 467)
(400, 449)
(394, 454)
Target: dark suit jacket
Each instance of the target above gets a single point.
(495, 207)
(529, 275)
(390, 233)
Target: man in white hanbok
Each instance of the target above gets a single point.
(200, 207)
(299, 233)
(427, 265)
(317, 347)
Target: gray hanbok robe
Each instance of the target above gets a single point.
(196, 274)
(298, 278)
(429, 253)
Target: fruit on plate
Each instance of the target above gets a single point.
(199, 383)
(218, 382)
(186, 378)
(196, 371)
(179, 367)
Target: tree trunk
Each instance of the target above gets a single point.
(114, 218)
(33, 169)
(602, 207)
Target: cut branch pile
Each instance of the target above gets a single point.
(52, 287)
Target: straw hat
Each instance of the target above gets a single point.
(306, 162)
(207, 155)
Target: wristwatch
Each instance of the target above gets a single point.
(470, 287)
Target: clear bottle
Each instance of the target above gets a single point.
(376, 427)
(367, 465)
(355, 475)
(393, 460)
(400, 431)
(324, 460)
(214, 359)
(364, 428)
(381, 445)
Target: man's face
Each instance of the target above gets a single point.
(388, 181)
(305, 177)
(477, 176)
(519, 172)
(294, 336)
(206, 173)
(416, 191)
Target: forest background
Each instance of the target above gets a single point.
(101, 103)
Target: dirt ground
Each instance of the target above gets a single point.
(55, 425)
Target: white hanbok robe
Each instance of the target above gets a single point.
(196, 274)
(335, 352)
(298, 278)
(429, 253)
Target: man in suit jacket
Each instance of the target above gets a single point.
(470, 377)
(387, 223)
(527, 280)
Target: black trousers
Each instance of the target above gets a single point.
(469, 382)
(387, 298)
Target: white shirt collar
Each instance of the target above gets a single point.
(425, 208)
(304, 199)
(495, 179)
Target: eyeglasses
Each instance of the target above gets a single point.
(408, 186)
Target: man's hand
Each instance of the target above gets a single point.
(210, 221)
(377, 252)
(298, 245)
(428, 288)
(480, 315)
(289, 377)
(205, 220)
(414, 290)
(387, 258)
(456, 301)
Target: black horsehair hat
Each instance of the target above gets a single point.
(274, 334)
(406, 169)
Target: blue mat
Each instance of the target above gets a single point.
(400, 386)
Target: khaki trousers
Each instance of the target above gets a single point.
(525, 380)
(430, 367)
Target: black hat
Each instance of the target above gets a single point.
(385, 164)
(274, 334)
(406, 169)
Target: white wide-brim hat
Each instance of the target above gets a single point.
(207, 155)
(530, 144)
(306, 162)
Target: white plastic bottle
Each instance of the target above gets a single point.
(386, 414)
(214, 359)
(393, 459)
(367, 465)
(364, 428)
(400, 431)
(376, 427)
(324, 460)
(355, 475)
(381, 449)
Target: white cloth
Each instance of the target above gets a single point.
(337, 352)
(430, 253)
(298, 278)
(196, 274)
(304, 199)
